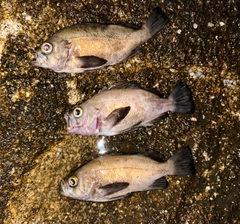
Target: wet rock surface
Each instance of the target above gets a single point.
(200, 46)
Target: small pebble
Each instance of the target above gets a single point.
(179, 31)
(195, 26)
(222, 24)
(210, 24)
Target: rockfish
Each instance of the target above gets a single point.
(126, 106)
(109, 178)
(84, 47)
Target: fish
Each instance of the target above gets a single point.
(112, 177)
(90, 46)
(124, 107)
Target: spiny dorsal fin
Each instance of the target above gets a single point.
(131, 85)
(124, 85)
(154, 155)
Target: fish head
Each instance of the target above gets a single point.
(52, 54)
(84, 120)
(77, 187)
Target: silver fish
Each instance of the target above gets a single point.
(126, 106)
(112, 177)
(84, 47)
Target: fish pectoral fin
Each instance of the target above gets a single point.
(160, 183)
(117, 115)
(114, 187)
(91, 61)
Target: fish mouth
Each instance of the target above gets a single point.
(40, 59)
(74, 128)
(63, 191)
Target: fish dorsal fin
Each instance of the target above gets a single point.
(129, 25)
(124, 85)
(114, 187)
(116, 116)
(91, 61)
(121, 86)
(160, 183)
(155, 92)
(154, 155)
(131, 85)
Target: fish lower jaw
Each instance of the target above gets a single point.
(63, 190)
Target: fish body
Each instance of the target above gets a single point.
(85, 47)
(112, 177)
(126, 106)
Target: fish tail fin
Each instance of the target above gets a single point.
(182, 99)
(183, 162)
(157, 20)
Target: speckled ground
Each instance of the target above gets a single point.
(200, 46)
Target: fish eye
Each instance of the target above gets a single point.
(73, 181)
(46, 48)
(78, 112)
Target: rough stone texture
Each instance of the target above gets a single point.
(200, 46)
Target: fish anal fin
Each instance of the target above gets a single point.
(91, 61)
(159, 118)
(134, 52)
(158, 184)
(121, 196)
(114, 187)
(117, 115)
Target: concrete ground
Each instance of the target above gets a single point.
(200, 46)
